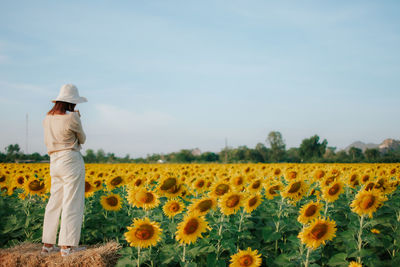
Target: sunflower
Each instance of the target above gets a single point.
(115, 181)
(367, 202)
(191, 228)
(89, 189)
(35, 187)
(255, 186)
(238, 182)
(355, 264)
(203, 205)
(295, 190)
(319, 174)
(199, 185)
(143, 198)
(375, 231)
(272, 190)
(230, 203)
(251, 202)
(246, 258)
(318, 232)
(353, 180)
(173, 207)
(219, 188)
(167, 184)
(111, 202)
(309, 212)
(143, 233)
(331, 193)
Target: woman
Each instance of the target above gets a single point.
(63, 136)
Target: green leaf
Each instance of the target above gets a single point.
(211, 259)
(282, 260)
(338, 260)
(125, 262)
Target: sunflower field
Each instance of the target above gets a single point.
(222, 214)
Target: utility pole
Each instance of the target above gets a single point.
(26, 137)
(226, 150)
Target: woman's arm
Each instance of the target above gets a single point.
(76, 126)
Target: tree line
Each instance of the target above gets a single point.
(311, 150)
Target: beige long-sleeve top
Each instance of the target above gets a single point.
(63, 132)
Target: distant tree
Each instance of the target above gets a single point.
(101, 156)
(292, 155)
(342, 156)
(90, 156)
(184, 155)
(312, 149)
(13, 152)
(355, 153)
(208, 157)
(371, 154)
(277, 146)
(263, 151)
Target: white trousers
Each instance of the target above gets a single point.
(67, 197)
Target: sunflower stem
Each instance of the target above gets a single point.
(240, 228)
(326, 208)
(184, 253)
(307, 257)
(138, 257)
(277, 224)
(219, 235)
(359, 242)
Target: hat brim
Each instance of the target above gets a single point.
(79, 100)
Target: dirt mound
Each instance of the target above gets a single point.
(28, 255)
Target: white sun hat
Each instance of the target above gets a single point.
(69, 93)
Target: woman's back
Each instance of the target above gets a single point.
(63, 132)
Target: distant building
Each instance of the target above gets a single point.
(196, 152)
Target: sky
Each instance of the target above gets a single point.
(161, 76)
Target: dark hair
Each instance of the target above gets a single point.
(61, 107)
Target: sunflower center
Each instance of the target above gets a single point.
(204, 205)
(252, 201)
(35, 185)
(221, 189)
(277, 171)
(365, 178)
(256, 184)
(272, 190)
(87, 186)
(320, 174)
(245, 260)
(144, 232)
(174, 207)
(168, 183)
(20, 180)
(367, 202)
(370, 186)
(292, 175)
(97, 183)
(353, 177)
(138, 182)
(112, 201)
(191, 226)
(319, 231)
(174, 189)
(116, 181)
(295, 187)
(232, 201)
(310, 211)
(144, 197)
(2, 178)
(200, 184)
(334, 189)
